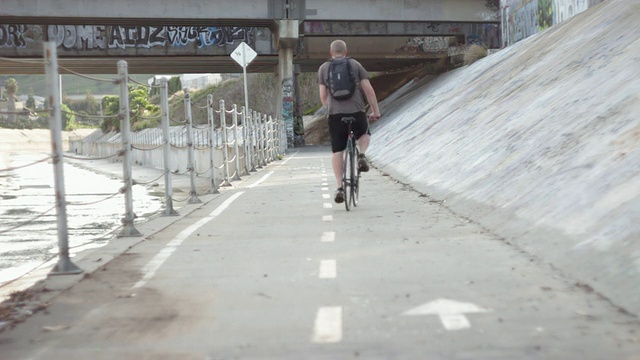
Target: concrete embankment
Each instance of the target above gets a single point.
(12, 140)
(539, 143)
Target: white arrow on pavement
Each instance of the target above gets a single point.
(451, 312)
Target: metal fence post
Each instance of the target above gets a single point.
(251, 139)
(64, 265)
(225, 143)
(168, 186)
(263, 135)
(193, 199)
(272, 155)
(235, 142)
(212, 146)
(125, 133)
(245, 143)
(256, 134)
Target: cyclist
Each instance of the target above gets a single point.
(353, 106)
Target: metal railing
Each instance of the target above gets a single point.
(242, 139)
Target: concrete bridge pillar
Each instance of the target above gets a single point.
(287, 40)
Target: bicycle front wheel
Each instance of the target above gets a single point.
(346, 176)
(355, 177)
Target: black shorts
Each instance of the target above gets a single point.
(338, 129)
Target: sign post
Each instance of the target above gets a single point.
(244, 55)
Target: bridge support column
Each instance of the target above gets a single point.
(287, 41)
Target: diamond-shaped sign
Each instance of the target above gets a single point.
(243, 54)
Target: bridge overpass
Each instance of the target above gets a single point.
(160, 36)
(194, 36)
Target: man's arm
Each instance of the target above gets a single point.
(370, 94)
(323, 95)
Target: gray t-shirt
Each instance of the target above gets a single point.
(357, 101)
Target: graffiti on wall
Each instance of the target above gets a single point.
(523, 22)
(287, 108)
(565, 9)
(486, 35)
(523, 18)
(425, 44)
(101, 37)
(13, 36)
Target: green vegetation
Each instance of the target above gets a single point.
(145, 105)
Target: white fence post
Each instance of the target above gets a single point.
(125, 133)
(193, 199)
(64, 265)
(168, 186)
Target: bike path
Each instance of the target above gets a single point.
(272, 268)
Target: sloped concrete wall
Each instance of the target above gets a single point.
(540, 143)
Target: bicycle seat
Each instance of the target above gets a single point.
(348, 119)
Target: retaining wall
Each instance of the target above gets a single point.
(540, 143)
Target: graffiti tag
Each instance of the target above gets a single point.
(100, 37)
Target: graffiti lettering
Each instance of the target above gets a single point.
(81, 37)
(206, 36)
(13, 36)
(78, 37)
(427, 44)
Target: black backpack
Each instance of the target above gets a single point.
(341, 82)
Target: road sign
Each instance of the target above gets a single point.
(451, 312)
(243, 54)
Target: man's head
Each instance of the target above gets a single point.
(338, 48)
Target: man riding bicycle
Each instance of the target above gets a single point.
(352, 106)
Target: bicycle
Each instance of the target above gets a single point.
(350, 172)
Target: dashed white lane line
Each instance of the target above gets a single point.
(325, 184)
(327, 218)
(262, 179)
(326, 196)
(328, 236)
(327, 205)
(328, 325)
(150, 269)
(325, 189)
(328, 269)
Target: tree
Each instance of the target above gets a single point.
(11, 85)
(174, 85)
(31, 101)
(110, 108)
(91, 105)
(68, 119)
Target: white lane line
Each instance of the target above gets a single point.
(328, 269)
(289, 158)
(152, 266)
(328, 325)
(328, 236)
(326, 196)
(262, 179)
(325, 189)
(327, 205)
(325, 184)
(327, 218)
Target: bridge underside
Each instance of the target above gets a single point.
(214, 64)
(96, 49)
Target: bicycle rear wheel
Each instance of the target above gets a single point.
(346, 176)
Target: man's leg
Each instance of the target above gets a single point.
(338, 162)
(363, 143)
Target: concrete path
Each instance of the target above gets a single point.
(272, 268)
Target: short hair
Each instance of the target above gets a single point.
(339, 47)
